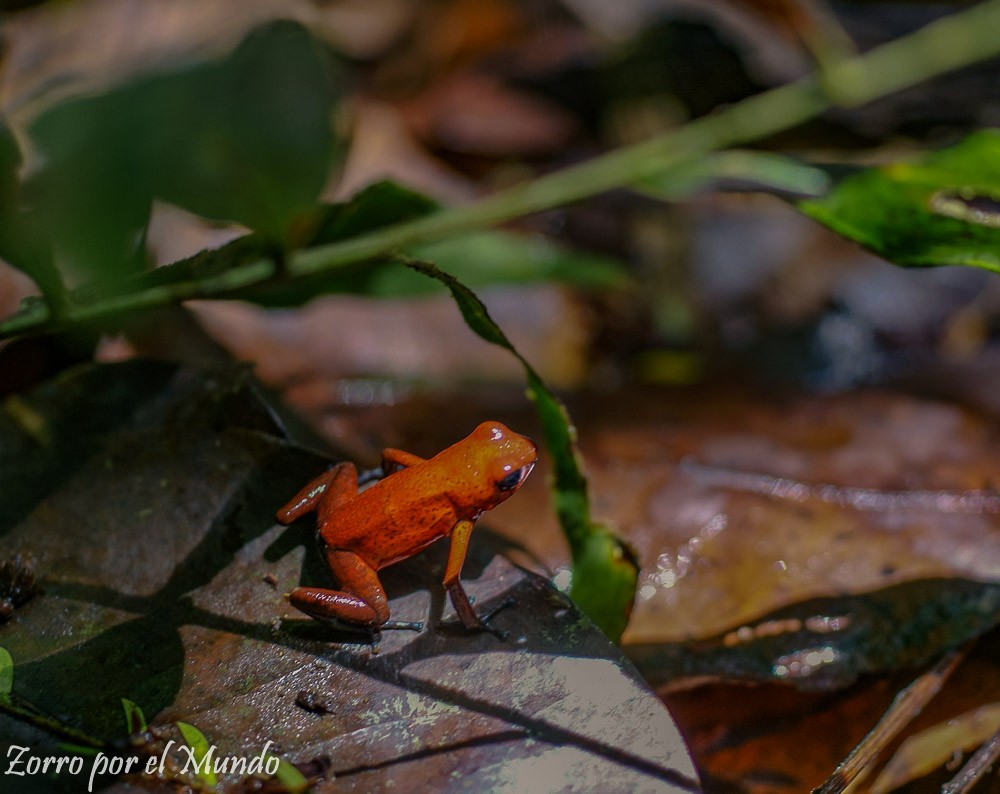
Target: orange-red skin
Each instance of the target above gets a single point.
(418, 502)
(407, 511)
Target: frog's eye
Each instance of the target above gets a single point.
(514, 479)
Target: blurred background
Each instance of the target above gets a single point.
(458, 99)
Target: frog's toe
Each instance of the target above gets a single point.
(484, 622)
(402, 625)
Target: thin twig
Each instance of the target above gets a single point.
(905, 707)
(975, 768)
(947, 44)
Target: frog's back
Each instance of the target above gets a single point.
(394, 518)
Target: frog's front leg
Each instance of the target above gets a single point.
(395, 459)
(327, 491)
(453, 584)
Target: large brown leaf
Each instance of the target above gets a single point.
(146, 496)
(740, 504)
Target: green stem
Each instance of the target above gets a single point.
(950, 43)
(753, 118)
(50, 725)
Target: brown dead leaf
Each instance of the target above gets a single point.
(895, 468)
(151, 515)
(343, 337)
(771, 739)
(935, 747)
(51, 49)
(475, 113)
(791, 497)
(384, 148)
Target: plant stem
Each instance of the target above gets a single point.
(950, 43)
(50, 725)
(947, 44)
(750, 119)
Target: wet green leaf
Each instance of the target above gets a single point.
(79, 749)
(826, 643)
(201, 748)
(605, 569)
(135, 720)
(490, 257)
(246, 138)
(291, 778)
(942, 209)
(182, 618)
(765, 171)
(6, 673)
(10, 165)
(22, 244)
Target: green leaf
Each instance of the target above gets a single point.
(202, 759)
(10, 165)
(765, 171)
(22, 243)
(605, 569)
(491, 257)
(376, 206)
(135, 720)
(477, 258)
(6, 673)
(245, 138)
(79, 749)
(605, 575)
(291, 778)
(942, 209)
(382, 204)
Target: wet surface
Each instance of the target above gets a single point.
(154, 544)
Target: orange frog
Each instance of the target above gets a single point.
(416, 502)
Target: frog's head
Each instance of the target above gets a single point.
(485, 468)
(507, 457)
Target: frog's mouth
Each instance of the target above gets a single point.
(513, 480)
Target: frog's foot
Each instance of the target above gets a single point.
(488, 618)
(375, 632)
(482, 623)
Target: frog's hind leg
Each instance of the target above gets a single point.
(361, 601)
(324, 493)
